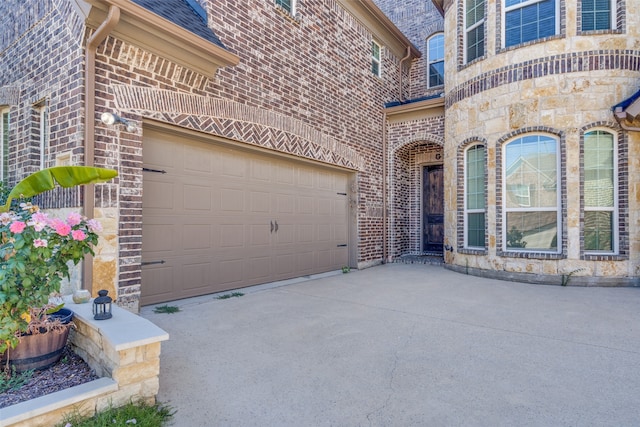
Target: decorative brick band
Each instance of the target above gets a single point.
(9, 95)
(239, 122)
(556, 64)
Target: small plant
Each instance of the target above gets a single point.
(346, 269)
(166, 309)
(135, 414)
(567, 277)
(227, 296)
(12, 380)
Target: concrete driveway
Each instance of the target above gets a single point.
(404, 345)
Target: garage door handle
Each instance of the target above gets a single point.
(276, 226)
(272, 226)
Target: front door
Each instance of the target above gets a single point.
(432, 208)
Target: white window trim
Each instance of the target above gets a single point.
(3, 111)
(294, 4)
(467, 30)
(557, 208)
(43, 133)
(506, 9)
(468, 211)
(377, 60)
(614, 208)
(429, 61)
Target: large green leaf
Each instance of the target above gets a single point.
(66, 176)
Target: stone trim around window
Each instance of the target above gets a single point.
(563, 196)
(557, 64)
(461, 223)
(623, 193)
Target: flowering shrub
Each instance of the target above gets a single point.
(35, 253)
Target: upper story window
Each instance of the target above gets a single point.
(288, 5)
(596, 15)
(600, 194)
(42, 130)
(527, 20)
(474, 197)
(531, 194)
(4, 144)
(474, 16)
(376, 61)
(435, 58)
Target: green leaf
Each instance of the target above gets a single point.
(66, 176)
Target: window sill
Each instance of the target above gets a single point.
(296, 19)
(472, 251)
(531, 255)
(604, 257)
(530, 43)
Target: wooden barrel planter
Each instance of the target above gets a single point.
(40, 351)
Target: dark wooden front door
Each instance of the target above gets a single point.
(432, 208)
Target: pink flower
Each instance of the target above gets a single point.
(94, 225)
(17, 227)
(40, 243)
(61, 227)
(78, 235)
(74, 218)
(39, 221)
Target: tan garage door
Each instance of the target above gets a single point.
(217, 217)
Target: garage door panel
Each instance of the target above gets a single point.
(212, 218)
(231, 200)
(196, 198)
(196, 236)
(158, 195)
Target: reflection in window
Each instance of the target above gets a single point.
(596, 15)
(531, 196)
(475, 197)
(435, 55)
(474, 29)
(600, 192)
(527, 20)
(376, 66)
(4, 144)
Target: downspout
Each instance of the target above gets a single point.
(385, 199)
(88, 204)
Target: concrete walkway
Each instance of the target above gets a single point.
(404, 345)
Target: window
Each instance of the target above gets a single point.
(435, 58)
(596, 15)
(288, 5)
(43, 131)
(600, 192)
(474, 29)
(527, 20)
(4, 144)
(474, 200)
(531, 197)
(376, 64)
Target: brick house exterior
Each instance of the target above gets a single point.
(296, 80)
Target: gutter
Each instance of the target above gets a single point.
(385, 199)
(407, 56)
(88, 203)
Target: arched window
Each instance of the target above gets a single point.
(600, 192)
(435, 59)
(531, 202)
(474, 197)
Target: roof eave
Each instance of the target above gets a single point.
(415, 106)
(155, 34)
(380, 26)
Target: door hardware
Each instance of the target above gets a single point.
(153, 262)
(153, 170)
(344, 245)
(272, 226)
(276, 226)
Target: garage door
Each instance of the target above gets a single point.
(218, 217)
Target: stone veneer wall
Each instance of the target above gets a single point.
(563, 85)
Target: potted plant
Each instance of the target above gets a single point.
(36, 250)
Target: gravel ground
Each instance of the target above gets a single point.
(70, 371)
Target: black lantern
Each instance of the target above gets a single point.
(102, 306)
